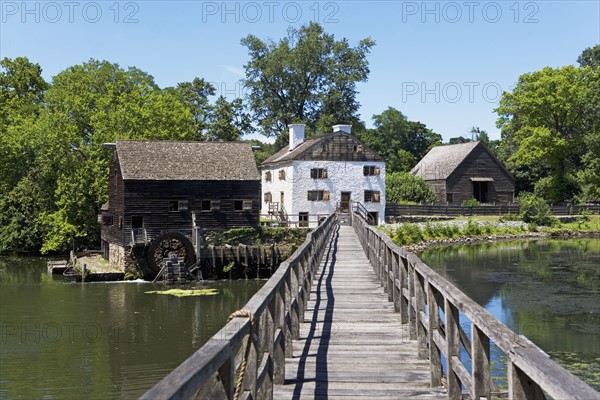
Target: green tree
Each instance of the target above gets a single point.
(590, 57)
(546, 117)
(307, 77)
(458, 140)
(228, 121)
(403, 187)
(22, 90)
(195, 94)
(402, 143)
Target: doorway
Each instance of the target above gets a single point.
(480, 191)
(345, 202)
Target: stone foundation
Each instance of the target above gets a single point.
(130, 261)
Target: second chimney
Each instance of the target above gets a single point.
(343, 128)
(296, 135)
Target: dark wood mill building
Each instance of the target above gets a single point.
(464, 171)
(162, 193)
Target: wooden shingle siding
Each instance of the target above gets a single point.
(168, 204)
(151, 199)
(479, 163)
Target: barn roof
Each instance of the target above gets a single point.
(300, 151)
(159, 160)
(441, 161)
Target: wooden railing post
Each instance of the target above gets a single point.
(480, 364)
(403, 290)
(435, 359)
(279, 328)
(419, 282)
(453, 349)
(397, 283)
(412, 314)
(520, 386)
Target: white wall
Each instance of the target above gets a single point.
(342, 176)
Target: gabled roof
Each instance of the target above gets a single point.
(441, 161)
(306, 150)
(159, 160)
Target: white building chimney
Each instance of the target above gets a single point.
(343, 128)
(296, 135)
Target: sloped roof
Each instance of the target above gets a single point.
(441, 161)
(303, 150)
(186, 161)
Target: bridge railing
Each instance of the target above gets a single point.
(278, 310)
(437, 311)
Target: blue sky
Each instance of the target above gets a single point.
(441, 63)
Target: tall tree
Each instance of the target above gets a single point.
(307, 77)
(590, 57)
(195, 95)
(546, 117)
(401, 142)
(228, 121)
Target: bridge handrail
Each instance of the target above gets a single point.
(420, 295)
(278, 309)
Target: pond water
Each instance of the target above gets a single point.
(547, 290)
(63, 340)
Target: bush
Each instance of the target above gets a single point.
(534, 210)
(404, 187)
(470, 203)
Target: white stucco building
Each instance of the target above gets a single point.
(313, 178)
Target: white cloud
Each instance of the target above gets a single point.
(236, 71)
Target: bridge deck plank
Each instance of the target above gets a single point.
(352, 344)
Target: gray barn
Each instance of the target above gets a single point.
(464, 171)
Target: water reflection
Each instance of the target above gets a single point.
(61, 340)
(547, 290)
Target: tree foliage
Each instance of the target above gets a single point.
(306, 77)
(402, 143)
(401, 187)
(545, 121)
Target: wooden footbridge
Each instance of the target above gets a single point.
(351, 315)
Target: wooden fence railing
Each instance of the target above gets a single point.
(397, 210)
(278, 309)
(434, 308)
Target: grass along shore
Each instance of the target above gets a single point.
(420, 235)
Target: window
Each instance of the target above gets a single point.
(449, 197)
(268, 176)
(178, 205)
(137, 221)
(107, 219)
(371, 170)
(281, 174)
(318, 195)
(358, 148)
(242, 205)
(324, 148)
(303, 220)
(318, 173)
(268, 197)
(372, 196)
(209, 205)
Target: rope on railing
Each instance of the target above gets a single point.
(243, 314)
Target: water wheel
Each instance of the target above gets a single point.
(170, 243)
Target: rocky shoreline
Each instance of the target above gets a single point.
(419, 247)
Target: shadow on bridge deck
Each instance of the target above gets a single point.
(352, 344)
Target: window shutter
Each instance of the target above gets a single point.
(309, 195)
(325, 173)
(313, 173)
(377, 170)
(247, 204)
(325, 195)
(281, 174)
(215, 204)
(376, 197)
